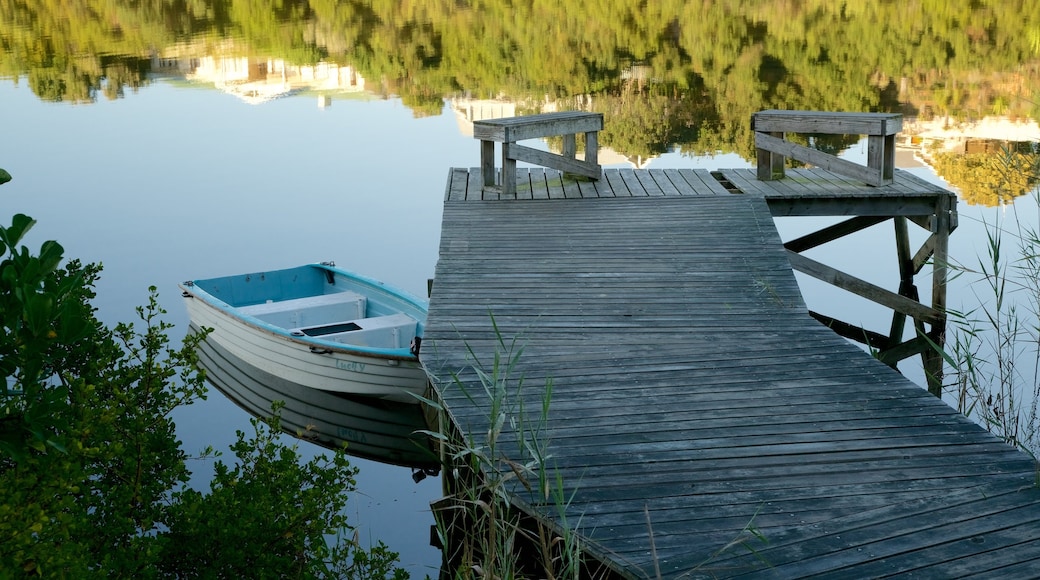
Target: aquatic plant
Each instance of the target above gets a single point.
(995, 346)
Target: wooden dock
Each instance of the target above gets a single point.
(693, 394)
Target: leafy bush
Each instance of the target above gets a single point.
(93, 482)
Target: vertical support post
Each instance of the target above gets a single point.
(881, 156)
(876, 155)
(508, 171)
(933, 361)
(487, 162)
(592, 147)
(906, 278)
(890, 158)
(570, 146)
(770, 165)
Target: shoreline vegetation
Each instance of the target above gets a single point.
(995, 346)
(93, 480)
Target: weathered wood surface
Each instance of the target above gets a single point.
(815, 157)
(880, 129)
(805, 192)
(509, 130)
(827, 122)
(817, 192)
(863, 288)
(546, 159)
(693, 395)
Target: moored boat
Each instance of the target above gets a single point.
(319, 326)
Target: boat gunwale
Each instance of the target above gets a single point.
(193, 289)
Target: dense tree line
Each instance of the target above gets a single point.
(667, 73)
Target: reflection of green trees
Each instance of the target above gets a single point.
(991, 178)
(703, 67)
(646, 119)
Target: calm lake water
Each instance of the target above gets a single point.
(172, 184)
(196, 177)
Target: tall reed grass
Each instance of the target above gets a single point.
(994, 346)
(478, 526)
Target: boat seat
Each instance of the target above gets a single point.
(309, 311)
(391, 331)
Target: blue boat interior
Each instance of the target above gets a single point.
(324, 304)
(249, 289)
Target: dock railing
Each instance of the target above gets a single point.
(880, 128)
(509, 130)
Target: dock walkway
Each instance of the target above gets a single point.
(693, 395)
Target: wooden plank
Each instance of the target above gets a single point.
(881, 155)
(661, 181)
(904, 261)
(833, 123)
(770, 163)
(635, 187)
(648, 183)
(1010, 560)
(933, 362)
(904, 350)
(833, 232)
(748, 183)
(795, 186)
(681, 185)
(455, 190)
(544, 158)
(508, 177)
(512, 129)
(841, 197)
(848, 206)
(571, 189)
(554, 181)
(570, 146)
(475, 189)
(850, 184)
(818, 158)
(617, 185)
(532, 184)
(789, 545)
(487, 162)
(591, 189)
(851, 331)
(592, 148)
(701, 179)
(924, 253)
(863, 288)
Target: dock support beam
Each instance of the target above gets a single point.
(929, 321)
(943, 225)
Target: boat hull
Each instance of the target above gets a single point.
(393, 374)
(383, 431)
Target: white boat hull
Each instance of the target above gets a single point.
(380, 430)
(328, 369)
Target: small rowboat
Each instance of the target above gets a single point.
(319, 326)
